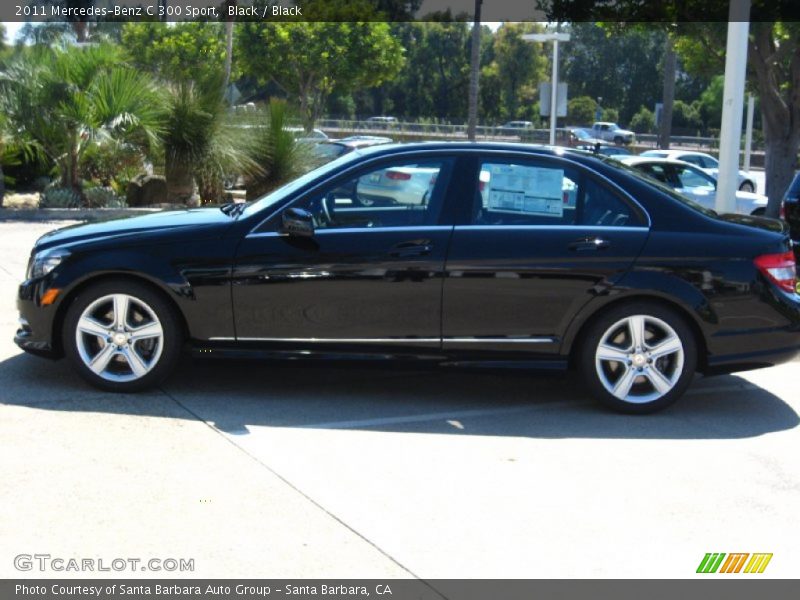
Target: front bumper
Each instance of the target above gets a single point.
(35, 333)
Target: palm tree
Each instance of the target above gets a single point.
(65, 99)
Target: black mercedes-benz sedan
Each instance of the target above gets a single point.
(474, 253)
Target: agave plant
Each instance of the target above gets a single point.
(69, 98)
(279, 155)
(202, 142)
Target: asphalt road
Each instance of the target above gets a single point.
(296, 470)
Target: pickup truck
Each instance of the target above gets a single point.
(612, 132)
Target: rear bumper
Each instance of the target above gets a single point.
(742, 350)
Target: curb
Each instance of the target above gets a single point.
(72, 214)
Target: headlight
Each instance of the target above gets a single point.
(44, 262)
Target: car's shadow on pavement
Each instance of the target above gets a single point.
(234, 396)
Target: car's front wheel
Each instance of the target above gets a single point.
(638, 358)
(122, 336)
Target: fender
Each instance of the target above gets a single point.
(646, 284)
(200, 291)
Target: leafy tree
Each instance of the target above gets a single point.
(686, 117)
(581, 110)
(66, 99)
(622, 67)
(773, 58)
(610, 114)
(710, 106)
(774, 73)
(643, 121)
(520, 66)
(309, 60)
(193, 51)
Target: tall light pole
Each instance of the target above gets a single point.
(732, 105)
(555, 38)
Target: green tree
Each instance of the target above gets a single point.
(624, 68)
(66, 99)
(773, 59)
(581, 110)
(643, 121)
(309, 60)
(192, 51)
(710, 107)
(521, 66)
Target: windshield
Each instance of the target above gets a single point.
(662, 187)
(279, 194)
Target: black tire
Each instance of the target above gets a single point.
(619, 141)
(682, 372)
(747, 186)
(170, 342)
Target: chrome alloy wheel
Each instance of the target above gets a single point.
(119, 337)
(639, 359)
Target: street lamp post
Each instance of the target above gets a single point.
(555, 38)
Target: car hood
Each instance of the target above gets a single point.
(198, 221)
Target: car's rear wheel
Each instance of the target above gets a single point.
(747, 186)
(638, 358)
(122, 336)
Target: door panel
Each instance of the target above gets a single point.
(519, 287)
(360, 284)
(371, 273)
(542, 239)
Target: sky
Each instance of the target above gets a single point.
(11, 30)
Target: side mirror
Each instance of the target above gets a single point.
(297, 221)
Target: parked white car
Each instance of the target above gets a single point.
(709, 164)
(693, 182)
(407, 185)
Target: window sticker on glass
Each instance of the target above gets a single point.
(524, 189)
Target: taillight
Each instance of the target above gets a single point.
(481, 185)
(783, 211)
(778, 268)
(397, 176)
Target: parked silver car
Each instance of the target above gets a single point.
(693, 182)
(709, 164)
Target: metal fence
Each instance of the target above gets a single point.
(433, 130)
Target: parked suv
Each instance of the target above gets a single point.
(791, 211)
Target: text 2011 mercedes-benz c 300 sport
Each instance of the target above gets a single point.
(466, 252)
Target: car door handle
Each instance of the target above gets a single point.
(589, 243)
(413, 248)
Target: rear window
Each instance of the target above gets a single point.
(793, 193)
(662, 187)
